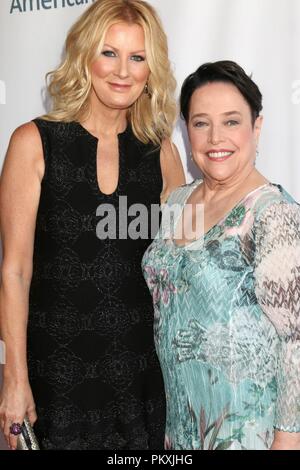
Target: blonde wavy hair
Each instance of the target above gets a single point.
(153, 115)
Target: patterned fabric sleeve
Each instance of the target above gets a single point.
(277, 273)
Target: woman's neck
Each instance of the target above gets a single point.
(104, 121)
(212, 190)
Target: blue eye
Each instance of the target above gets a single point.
(109, 53)
(138, 58)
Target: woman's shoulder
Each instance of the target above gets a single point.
(275, 203)
(54, 126)
(26, 130)
(25, 151)
(180, 194)
(273, 194)
(29, 138)
(25, 136)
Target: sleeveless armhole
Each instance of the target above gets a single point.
(44, 138)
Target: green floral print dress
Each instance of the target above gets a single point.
(227, 323)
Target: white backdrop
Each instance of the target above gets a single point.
(262, 35)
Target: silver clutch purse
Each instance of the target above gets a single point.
(27, 439)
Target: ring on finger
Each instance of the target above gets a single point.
(15, 429)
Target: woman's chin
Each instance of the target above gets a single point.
(218, 174)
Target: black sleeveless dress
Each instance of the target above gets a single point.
(92, 364)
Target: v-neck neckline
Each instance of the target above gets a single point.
(196, 185)
(96, 141)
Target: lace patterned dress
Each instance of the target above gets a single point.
(93, 369)
(227, 324)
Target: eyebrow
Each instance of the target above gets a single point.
(133, 52)
(228, 113)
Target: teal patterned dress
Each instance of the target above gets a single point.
(227, 323)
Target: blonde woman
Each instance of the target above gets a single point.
(76, 315)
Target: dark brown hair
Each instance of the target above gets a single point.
(222, 71)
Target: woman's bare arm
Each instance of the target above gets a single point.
(171, 167)
(286, 441)
(19, 198)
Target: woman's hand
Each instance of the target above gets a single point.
(286, 441)
(16, 401)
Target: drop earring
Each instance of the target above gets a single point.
(146, 90)
(257, 154)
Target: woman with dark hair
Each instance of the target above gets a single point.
(76, 314)
(227, 297)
